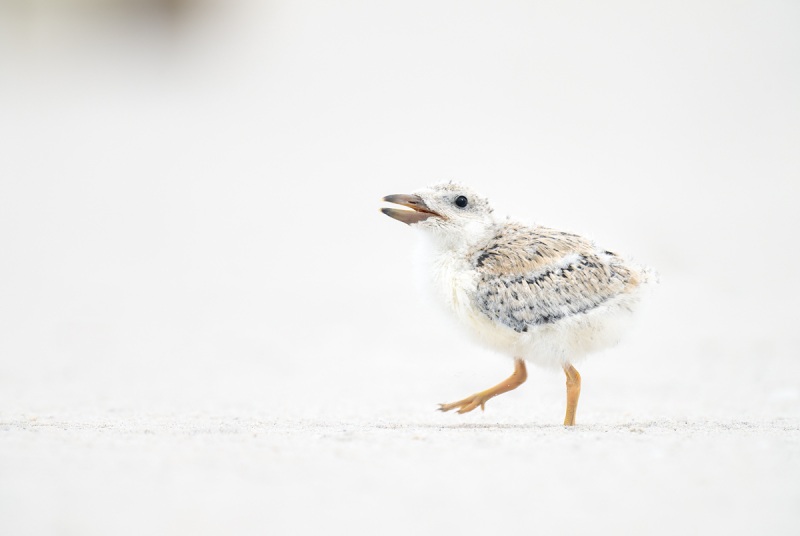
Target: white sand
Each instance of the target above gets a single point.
(354, 446)
(245, 474)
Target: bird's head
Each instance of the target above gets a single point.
(450, 211)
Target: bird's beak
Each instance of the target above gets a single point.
(419, 213)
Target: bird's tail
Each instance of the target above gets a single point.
(649, 275)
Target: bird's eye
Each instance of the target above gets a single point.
(461, 201)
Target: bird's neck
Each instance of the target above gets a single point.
(459, 244)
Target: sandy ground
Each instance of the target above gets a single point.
(339, 435)
(667, 442)
(248, 474)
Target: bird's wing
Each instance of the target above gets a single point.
(535, 276)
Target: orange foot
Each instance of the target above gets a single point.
(468, 404)
(480, 399)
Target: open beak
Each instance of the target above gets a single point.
(420, 211)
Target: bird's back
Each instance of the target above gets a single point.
(541, 291)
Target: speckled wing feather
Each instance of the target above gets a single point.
(531, 276)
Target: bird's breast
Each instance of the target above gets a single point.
(449, 280)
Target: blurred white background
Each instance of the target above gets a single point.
(189, 195)
(190, 189)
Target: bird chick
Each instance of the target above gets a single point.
(537, 294)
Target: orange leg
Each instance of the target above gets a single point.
(480, 399)
(573, 393)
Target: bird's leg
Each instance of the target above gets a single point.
(573, 393)
(480, 399)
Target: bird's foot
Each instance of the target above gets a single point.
(468, 404)
(480, 399)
